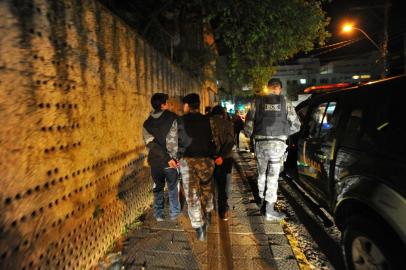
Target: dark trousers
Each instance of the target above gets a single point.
(159, 175)
(222, 185)
(237, 138)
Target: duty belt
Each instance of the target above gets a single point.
(269, 139)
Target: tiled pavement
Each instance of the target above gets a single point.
(245, 241)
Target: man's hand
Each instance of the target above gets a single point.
(173, 163)
(218, 161)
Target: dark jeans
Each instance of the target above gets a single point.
(222, 185)
(159, 175)
(237, 138)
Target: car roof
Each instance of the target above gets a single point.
(317, 92)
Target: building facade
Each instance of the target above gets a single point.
(310, 71)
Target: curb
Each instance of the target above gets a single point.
(300, 256)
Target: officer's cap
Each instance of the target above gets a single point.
(275, 81)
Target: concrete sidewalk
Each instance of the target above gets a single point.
(245, 241)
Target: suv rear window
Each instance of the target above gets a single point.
(375, 122)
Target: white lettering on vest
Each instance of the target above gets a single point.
(273, 107)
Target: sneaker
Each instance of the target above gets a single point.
(225, 215)
(201, 233)
(159, 219)
(175, 217)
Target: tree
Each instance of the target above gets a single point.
(259, 33)
(253, 34)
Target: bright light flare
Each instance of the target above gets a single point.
(348, 28)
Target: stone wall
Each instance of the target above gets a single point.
(75, 85)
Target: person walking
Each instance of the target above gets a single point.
(272, 120)
(196, 151)
(223, 132)
(160, 135)
(238, 126)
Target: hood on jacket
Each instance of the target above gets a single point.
(155, 114)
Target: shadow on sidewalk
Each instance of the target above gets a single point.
(250, 197)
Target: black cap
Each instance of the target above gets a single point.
(191, 99)
(275, 81)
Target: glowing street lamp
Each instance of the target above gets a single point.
(349, 27)
(383, 50)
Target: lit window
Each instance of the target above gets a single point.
(303, 81)
(355, 77)
(365, 76)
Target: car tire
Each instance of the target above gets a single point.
(368, 242)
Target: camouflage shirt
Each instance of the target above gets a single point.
(292, 118)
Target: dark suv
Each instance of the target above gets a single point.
(350, 156)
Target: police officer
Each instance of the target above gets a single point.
(161, 138)
(272, 120)
(196, 150)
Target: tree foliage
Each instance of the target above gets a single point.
(256, 34)
(259, 33)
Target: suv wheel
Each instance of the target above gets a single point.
(368, 244)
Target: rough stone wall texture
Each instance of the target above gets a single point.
(75, 85)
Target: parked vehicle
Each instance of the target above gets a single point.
(350, 156)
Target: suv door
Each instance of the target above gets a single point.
(316, 148)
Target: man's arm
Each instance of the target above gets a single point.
(172, 140)
(249, 122)
(148, 138)
(183, 139)
(292, 118)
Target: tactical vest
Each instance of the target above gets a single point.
(197, 128)
(271, 118)
(159, 128)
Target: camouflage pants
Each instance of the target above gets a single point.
(197, 174)
(269, 152)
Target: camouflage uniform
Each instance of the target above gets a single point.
(270, 151)
(197, 183)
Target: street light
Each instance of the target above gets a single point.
(349, 27)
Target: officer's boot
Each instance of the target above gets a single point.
(260, 202)
(271, 214)
(201, 233)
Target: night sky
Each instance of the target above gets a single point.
(369, 16)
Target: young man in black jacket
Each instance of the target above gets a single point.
(161, 138)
